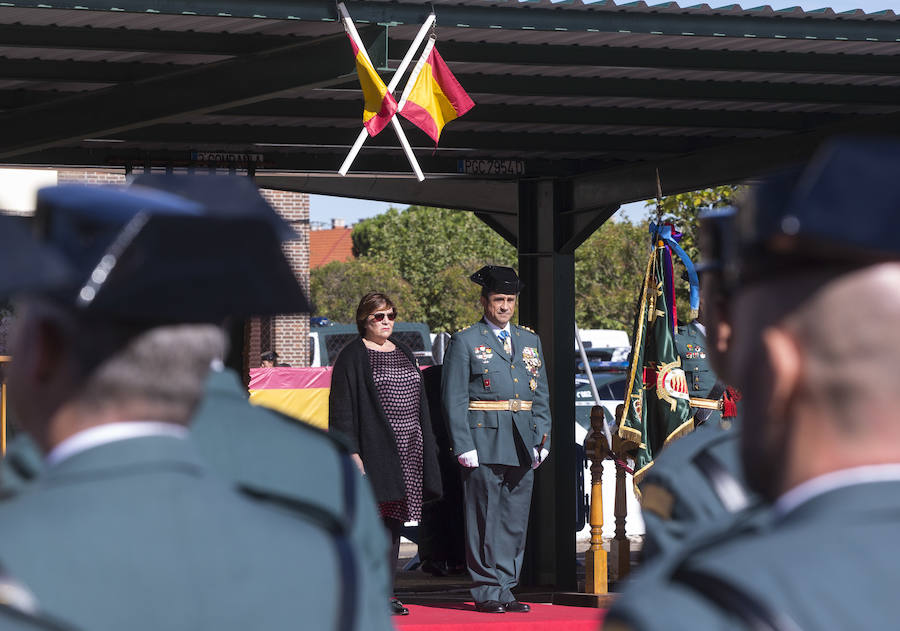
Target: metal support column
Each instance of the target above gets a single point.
(547, 304)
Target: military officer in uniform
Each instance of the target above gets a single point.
(815, 297)
(496, 402)
(126, 527)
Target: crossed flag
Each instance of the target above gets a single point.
(432, 97)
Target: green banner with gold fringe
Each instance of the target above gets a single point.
(657, 404)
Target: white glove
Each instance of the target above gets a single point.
(538, 458)
(468, 459)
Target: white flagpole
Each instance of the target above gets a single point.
(415, 73)
(361, 138)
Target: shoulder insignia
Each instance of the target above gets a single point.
(658, 500)
(529, 329)
(465, 328)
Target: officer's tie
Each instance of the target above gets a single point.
(507, 343)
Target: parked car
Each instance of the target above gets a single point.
(325, 342)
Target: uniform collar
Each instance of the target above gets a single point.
(109, 433)
(811, 489)
(496, 329)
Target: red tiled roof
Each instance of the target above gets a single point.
(326, 246)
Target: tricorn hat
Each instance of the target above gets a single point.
(145, 255)
(496, 279)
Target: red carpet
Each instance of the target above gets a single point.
(463, 617)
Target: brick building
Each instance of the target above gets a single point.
(287, 335)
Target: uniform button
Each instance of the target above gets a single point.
(517, 396)
(479, 425)
(485, 370)
(516, 379)
(511, 366)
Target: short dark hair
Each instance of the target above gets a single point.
(370, 303)
(269, 356)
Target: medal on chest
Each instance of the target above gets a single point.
(484, 353)
(532, 361)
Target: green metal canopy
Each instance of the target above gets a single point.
(579, 105)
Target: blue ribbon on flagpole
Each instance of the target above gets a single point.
(664, 233)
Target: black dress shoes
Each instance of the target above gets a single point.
(397, 608)
(490, 606)
(514, 606)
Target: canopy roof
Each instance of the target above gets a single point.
(598, 92)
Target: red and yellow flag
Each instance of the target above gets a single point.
(436, 97)
(380, 104)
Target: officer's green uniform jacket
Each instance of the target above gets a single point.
(791, 567)
(695, 481)
(477, 368)
(270, 454)
(12, 619)
(273, 456)
(137, 534)
(690, 344)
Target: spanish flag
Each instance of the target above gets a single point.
(434, 97)
(380, 105)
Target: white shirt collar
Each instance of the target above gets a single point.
(111, 432)
(810, 489)
(496, 329)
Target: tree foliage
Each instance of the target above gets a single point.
(609, 269)
(337, 287)
(683, 211)
(435, 250)
(422, 257)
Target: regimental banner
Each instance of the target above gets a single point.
(298, 392)
(657, 404)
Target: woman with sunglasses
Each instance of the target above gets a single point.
(377, 401)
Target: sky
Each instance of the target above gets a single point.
(324, 208)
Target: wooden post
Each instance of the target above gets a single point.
(595, 569)
(3, 359)
(620, 545)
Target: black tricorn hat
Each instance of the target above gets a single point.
(499, 280)
(153, 257)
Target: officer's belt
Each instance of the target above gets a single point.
(707, 404)
(513, 405)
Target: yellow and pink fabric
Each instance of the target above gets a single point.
(298, 392)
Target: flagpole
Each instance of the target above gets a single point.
(415, 73)
(404, 63)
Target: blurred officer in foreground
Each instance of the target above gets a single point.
(274, 456)
(698, 479)
(126, 528)
(19, 609)
(496, 402)
(816, 299)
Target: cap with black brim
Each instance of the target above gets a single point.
(224, 196)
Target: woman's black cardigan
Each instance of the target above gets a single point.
(354, 410)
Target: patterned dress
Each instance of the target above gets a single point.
(398, 384)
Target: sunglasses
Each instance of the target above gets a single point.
(378, 317)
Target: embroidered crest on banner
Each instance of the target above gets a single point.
(532, 360)
(671, 384)
(484, 353)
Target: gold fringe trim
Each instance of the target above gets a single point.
(639, 337)
(682, 430)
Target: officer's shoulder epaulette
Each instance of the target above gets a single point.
(527, 328)
(466, 328)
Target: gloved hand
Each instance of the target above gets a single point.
(538, 458)
(468, 459)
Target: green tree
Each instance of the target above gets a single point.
(683, 210)
(609, 269)
(435, 250)
(337, 287)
